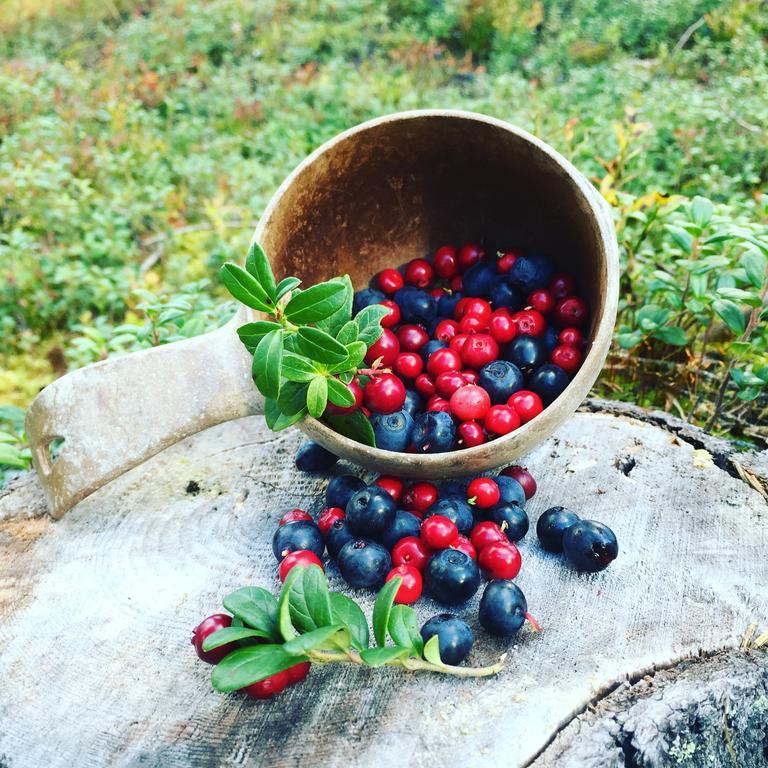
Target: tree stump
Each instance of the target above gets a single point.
(641, 664)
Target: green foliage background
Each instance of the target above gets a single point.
(140, 141)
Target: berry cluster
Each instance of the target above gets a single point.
(588, 545)
(472, 348)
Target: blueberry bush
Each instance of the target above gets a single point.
(141, 140)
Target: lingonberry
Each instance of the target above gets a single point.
(431, 346)
(529, 322)
(408, 365)
(470, 402)
(357, 392)
(437, 403)
(268, 687)
(463, 544)
(552, 525)
(412, 337)
(454, 637)
(567, 357)
(483, 492)
(527, 404)
(451, 577)
(448, 382)
(503, 608)
(405, 524)
(445, 262)
(424, 385)
(411, 551)
(410, 588)
(294, 516)
(562, 285)
(549, 382)
(419, 272)
(436, 293)
(433, 432)
(438, 531)
(392, 485)
(293, 537)
(312, 457)
(485, 533)
(443, 360)
(420, 497)
(501, 419)
(469, 255)
(384, 393)
(338, 535)
(460, 308)
(392, 431)
(500, 560)
(571, 311)
(302, 558)
(207, 627)
(456, 509)
(457, 284)
(479, 350)
(470, 324)
(327, 518)
(445, 330)
(527, 353)
(364, 563)
(470, 434)
(341, 489)
(386, 348)
(370, 511)
(542, 301)
(470, 376)
(506, 260)
(393, 318)
(590, 546)
(501, 326)
(571, 337)
(297, 672)
(524, 477)
(389, 281)
(511, 518)
(476, 307)
(500, 379)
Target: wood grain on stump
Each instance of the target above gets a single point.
(96, 665)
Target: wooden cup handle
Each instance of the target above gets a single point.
(111, 416)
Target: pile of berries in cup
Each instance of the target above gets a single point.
(474, 346)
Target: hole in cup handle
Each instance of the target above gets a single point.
(47, 452)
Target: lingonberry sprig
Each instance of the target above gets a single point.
(309, 623)
(309, 348)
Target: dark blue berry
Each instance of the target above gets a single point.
(511, 491)
(504, 295)
(590, 546)
(338, 535)
(446, 304)
(365, 298)
(551, 526)
(500, 379)
(413, 402)
(454, 637)
(451, 577)
(549, 382)
(454, 508)
(370, 511)
(416, 306)
(502, 608)
(479, 279)
(455, 487)
(550, 338)
(312, 457)
(433, 432)
(392, 430)
(512, 519)
(404, 524)
(530, 272)
(431, 346)
(292, 537)
(341, 489)
(526, 352)
(364, 563)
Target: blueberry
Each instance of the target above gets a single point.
(413, 402)
(433, 432)
(451, 577)
(312, 457)
(446, 304)
(511, 491)
(341, 489)
(548, 382)
(431, 346)
(479, 279)
(292, 537)
(416, 306)
(512, 519)
(502, 608)
(370, 511)
(454, 508)
(365, 298)
(590, 546)
(526, 352)
(530, 272)
(364, 563)
(551, 526)
(454, 637)
(338, 535)
(500, 379)
(392, 430)
(404, 524)
(550, 338)
(455, 487)
(504, 295)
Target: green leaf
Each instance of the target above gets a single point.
(298, 368)
(368, 321)
(346, 611)
(432, 651)
(292, 397)
(342, 315)
(250, 664)
(256, 607)
(10, 456)
(257, 264)
(731, 315)
(339, 394)
(318, 638)
(671, 334)
(378, 657)
(754, 263)
(320, 346)
(267, 364)
(347, 333)
(739, 348)
(701, 210)
(230, 635)
(285, 285)
(317, 396)
(316, 303)
(739, 294)
(353, 425)
(629, 340)
(651, 316)
(276, 419)
(252, 333)
(682, 238)
(382, 608)
(304, 602)
(404, 628)
(244, 287)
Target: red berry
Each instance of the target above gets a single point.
(384, 393)
(529, 322)
(439, 532)
(295, 516)
(458, 341)
(420, 497)
(501, 326)
(524, 477)
(458, 310)
(506, 260)
(328, 517)
(445, 263)
(486, 533)
(571, 311)
(443, 360)
(542, 301)
(483, 492)
(393, 318)
(387, 348)
(301, 558)
(419, 272)
(469, 376)
(457, 283)
(472, 324)
(424, 385)
(409, 590)
(297, 672)
(568, 358)
(446, 330)
(408, 365)
(389, 281)
(477, 307)
(527, 404)
(501, 419)
(562, 285)
(392, 485)
(571, 337)
(436, 293)
(479, 350)
(411, 551)
(470, 402)
(268, 687)
(437, 403)
(208, 627)
(412, 337)
(463, 544)
(500, 560)
(357, 392)
(469, 255)
(448, 382)
(471, 434)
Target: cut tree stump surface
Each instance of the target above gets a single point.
(96, 667)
